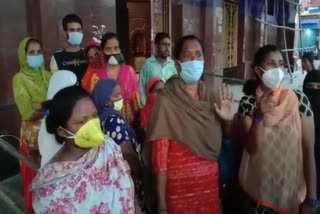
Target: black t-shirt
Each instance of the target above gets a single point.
(72, 61)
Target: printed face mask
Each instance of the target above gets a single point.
(75, 38)
(89, 135)
(272, 78)
(35, 61)
(191, 71)
(112, 59)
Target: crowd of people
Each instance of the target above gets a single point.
(108, 141)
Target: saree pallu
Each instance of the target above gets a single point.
(273, 176)
(86, 81)
(29, 133)
(98, 182)
(27, 175)
(29, 148)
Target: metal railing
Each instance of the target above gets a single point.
(16, 154)
(8, 107)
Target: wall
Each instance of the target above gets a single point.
(13, 28)
(309, 38)
(308, 3)
(41, 19)
(93, 12)
(205, 20)
(253, 38)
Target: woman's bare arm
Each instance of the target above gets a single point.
(308, 138)
(253, 133)
(161, 179)
(131, 157)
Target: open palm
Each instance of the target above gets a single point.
(224, 108)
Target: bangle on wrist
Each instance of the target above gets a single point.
(258, 119)
(312, 202)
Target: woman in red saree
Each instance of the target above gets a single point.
(185, 133)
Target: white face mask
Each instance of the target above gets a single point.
(113, 61)
(272, 78)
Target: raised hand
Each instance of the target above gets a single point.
(224, 108)
(266, 103)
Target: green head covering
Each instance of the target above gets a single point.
(40, 74)
(30, 84)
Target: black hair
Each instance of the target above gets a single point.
(179, 44)
(60, 108)
(69, 19)
(32, 40)
(260, 56)
(89, 48)
(308, 57)
(262, 53)
(160, 36)
(106, 37)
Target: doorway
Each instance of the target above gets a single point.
(139, 32)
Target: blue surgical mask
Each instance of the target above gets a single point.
(75, 38)
(35, 61)
(191, 71)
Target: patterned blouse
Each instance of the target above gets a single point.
(247, 105)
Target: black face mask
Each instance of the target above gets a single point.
(112, 59)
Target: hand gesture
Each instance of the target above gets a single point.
(225, 107)
(267, 103)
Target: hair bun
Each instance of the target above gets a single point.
(46, 104)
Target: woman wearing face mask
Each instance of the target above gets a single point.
(88, 174)
(185, 133)
(96, 62)
(30, 88)
(109, 102)
(154, 85)
(311, 86)
(123, 73)
(278, 160)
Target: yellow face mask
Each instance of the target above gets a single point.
(117, 105)
(89, 135)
